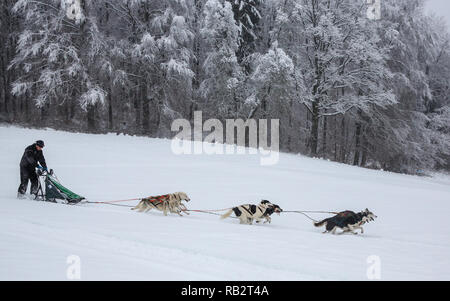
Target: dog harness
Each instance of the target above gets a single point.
(159, 198)
(249, 212)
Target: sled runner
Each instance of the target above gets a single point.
(51, 190)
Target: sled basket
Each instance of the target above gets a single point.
(55, 191)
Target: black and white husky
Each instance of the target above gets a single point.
(248, 213)
(269, 211)
(348, 221)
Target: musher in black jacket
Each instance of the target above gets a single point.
(30, 159)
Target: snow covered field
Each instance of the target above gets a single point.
(411, 236)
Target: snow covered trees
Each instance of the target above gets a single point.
(246, 16)
(272, 82)
(372, 93)
(163, 55)
(8, 36)
(222, 73)
(416, 44)
(57, 56)
(340, 55)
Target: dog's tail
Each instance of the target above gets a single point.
(226, 215)
(320, 224)
(140, 206)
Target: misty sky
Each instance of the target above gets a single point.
(441, 8)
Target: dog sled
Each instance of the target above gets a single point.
(51, 190)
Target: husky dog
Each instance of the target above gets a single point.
(269, 211)
(248, 213)
(165, 203)
(348, 221)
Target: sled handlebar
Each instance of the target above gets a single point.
(40, 172)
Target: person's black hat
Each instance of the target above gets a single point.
(40, 143)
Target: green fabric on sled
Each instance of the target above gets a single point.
(54, 190)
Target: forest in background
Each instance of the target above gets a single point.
(371, 93)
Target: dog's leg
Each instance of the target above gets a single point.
(184, 209)
(334, 230)
(344, 230)
(326, 231)
(179, 209)
(165, 205)
(150, 206)
(142, 207)
(138, 207)
(244, 218)
(360, 228)
(352, 229)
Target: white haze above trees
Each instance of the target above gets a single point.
(354, 90)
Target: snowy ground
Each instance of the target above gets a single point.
(411, 236)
